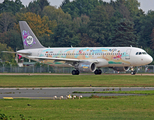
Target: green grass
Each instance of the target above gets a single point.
(113, 108)
(146, 92)
(76, 81)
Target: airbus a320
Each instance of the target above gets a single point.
(87, 59)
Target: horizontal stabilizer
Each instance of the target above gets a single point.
(17, 52)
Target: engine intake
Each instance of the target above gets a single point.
(86, 67)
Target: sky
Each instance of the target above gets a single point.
(145, 5)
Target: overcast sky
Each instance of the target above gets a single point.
(145, 4)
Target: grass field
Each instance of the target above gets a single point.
(76, 81)
(100, 108)
(107, 108)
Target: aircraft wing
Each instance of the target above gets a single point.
(67, 59)
(23, 53)
(56, 59)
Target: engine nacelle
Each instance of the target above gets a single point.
(86, 66)
(121, 68)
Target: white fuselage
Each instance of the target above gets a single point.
(102, 56)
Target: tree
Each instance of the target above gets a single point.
(34, 7)
(81, 24)
(64, 35)
(152, 39)
(86, 41)
(43, 3)
(37, 6)
(99, 25)
(40, 26)
(5, 56)
(65, 2)
(7, 21)
(11, 6)
(124, 11)
(78, 7)
(55, 14)
(19, 6)
(12, 38)
(133, 7)
(124, 34)
(145, 29)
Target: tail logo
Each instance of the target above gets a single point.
(28, 39)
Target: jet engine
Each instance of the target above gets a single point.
(86, 66)
(121, 68)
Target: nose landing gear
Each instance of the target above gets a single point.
(133, 72)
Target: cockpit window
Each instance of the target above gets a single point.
(141, 53)
(144, 53)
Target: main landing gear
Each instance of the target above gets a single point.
(75, 72)
(98, 72)
(133, 72)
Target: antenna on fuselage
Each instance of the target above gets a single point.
(71, 46)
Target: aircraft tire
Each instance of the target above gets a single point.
(133, 72)
(75, 72)
(98, 72)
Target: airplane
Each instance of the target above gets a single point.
(83, 59)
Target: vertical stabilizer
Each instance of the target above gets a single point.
(30, 41)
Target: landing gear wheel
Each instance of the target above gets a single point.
(133, 72)
(98, 72)
(75, 72)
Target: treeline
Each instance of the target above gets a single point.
(79, 23)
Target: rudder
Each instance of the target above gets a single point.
(30, 41)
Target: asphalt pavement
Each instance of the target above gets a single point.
(50, 93)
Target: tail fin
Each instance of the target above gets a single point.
(30, 41)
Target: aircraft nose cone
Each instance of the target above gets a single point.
(150, 59)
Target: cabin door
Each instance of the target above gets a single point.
(128, 51)
(39, 53)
